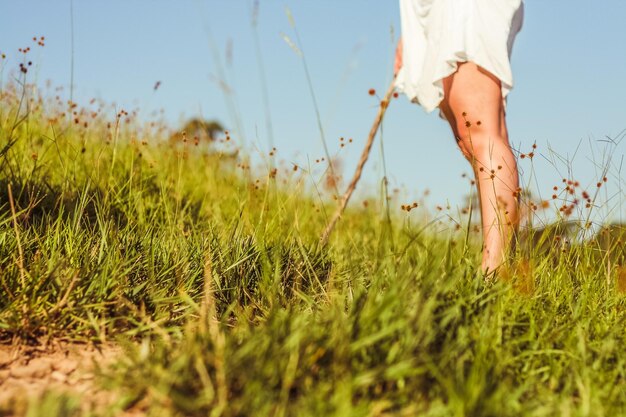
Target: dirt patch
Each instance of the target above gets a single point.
(28, 373)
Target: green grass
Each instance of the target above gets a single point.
(227, 306)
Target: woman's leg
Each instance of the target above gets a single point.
(473, 106)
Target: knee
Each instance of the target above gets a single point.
(474, 141)
(479, 139)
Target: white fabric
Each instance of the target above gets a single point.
(437, 34)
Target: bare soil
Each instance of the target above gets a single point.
(27, 373)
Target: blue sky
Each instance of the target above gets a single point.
(569, 65)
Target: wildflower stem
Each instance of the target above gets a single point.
(359, 169)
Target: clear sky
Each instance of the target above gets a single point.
(569, 66)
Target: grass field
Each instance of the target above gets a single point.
(207, 276)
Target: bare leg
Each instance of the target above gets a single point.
(473, 106)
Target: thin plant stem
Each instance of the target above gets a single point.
(359, 169)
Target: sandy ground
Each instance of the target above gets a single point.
(27, 372)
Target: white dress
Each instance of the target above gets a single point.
(437, 34)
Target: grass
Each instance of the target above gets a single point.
(209, 273)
